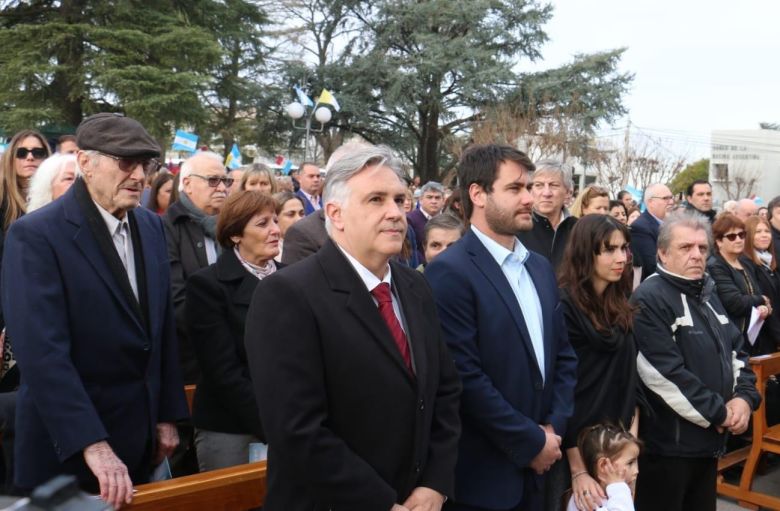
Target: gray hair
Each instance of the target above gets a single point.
(186, 167)
(39, 193)
(432, 186)
(445, 221)
(555, 168)
(351, 163)
(682, 218)
(650, 191)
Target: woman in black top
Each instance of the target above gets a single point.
(735, 280)
(595, 279)
(759, 248)
(224, 410)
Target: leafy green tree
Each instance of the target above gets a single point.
(697, 170)
(65, 59)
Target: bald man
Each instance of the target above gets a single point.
(746, 208)
(644, 231)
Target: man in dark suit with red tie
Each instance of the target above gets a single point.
(357, 392)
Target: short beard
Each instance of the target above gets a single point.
(504, 222)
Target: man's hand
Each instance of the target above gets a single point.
(550, 453)
(424, 499)
(167, 440)
(116, 488)
(740, 415)
(397, 507)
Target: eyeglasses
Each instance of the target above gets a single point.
(150, 165)
(38, 153)
(667, 198)
(734, 235)
(213, 181)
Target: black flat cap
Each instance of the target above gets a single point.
(116, 135)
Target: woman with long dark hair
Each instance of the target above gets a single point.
(595, 281)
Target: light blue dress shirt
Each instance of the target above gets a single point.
(512, 263)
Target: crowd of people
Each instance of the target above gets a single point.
(502, 344)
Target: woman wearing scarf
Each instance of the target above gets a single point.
(759, 248)
(595, 277)
(224, 411)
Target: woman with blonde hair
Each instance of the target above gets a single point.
(592, 200)
(258, 177)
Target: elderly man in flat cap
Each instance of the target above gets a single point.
(86, 295)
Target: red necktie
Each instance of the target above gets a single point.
(382, 295)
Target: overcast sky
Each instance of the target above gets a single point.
(699, 65)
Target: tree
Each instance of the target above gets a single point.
(62, 60)
(695, 171)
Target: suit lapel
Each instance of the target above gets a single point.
(543, 291)
(148, 272)
(94, 241)
(486, 264)
(230, 270)
(343, 278)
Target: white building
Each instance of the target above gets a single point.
(745, 164)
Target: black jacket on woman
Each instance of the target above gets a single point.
(217, 300)
(769, 336)
(733, 290)
(607, 380)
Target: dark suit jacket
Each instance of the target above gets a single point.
(187, 255)
(417, 220)
(504, 397)
(216, 306)
(304, 238)
(644, 242)
(308, 209)
(348, 427)
(96, 364)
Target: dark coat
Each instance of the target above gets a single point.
(96, 363)
(417, 220)
(733, 290)
(348, 427)
(545, 240)
(187, 255)
(505, 397)
(216, 306)
(776, 243)
(304, 238)
(644, 242)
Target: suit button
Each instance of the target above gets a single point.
(422, 405)
(417, 467)
(146, 347)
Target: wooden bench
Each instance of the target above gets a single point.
(189, 393)
(765, 439)
(236, 488)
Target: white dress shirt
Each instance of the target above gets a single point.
(120, 235)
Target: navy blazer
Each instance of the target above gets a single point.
(504, 398)
(95, 364)
(417, 220)
(308, 208)
(644, 242)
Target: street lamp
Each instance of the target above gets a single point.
(297, 111)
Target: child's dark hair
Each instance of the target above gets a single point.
(603, 441)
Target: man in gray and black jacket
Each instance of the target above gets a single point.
(697, 383)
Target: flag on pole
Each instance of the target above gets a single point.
(184, 141)
(287, 167)
(302, 97)
(328, 99)
(233, 160)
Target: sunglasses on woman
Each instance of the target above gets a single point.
(38, 153)
(150, 165)
(734, 235)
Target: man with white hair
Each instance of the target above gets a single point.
(358, 394)
(190, 229)
(644, 231)
(746, 208)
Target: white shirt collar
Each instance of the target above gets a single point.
(111, 221)
(369, 279)
(498, 251)
(311, 198)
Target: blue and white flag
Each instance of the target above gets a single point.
(302, 97)
(184, 141)
(233, 160)
(287, 167)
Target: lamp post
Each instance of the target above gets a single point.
(297, 111)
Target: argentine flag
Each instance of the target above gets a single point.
(303, 98)
(184, 141)
(233, 160)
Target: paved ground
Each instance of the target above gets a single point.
(769, 484)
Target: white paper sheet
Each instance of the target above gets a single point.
(755, 326)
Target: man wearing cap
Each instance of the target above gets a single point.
(86, 295)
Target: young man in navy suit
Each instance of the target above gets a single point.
(502, 319)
